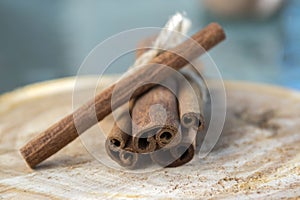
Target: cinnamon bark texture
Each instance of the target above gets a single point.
(112, 152)
(69, 128)
(128, 157)
(118, 144)
(155, 118)
(184, 153)
(191, 109)
(121, 132)
(180, 154)
(191, 103)
(124, 157)
(155, 113)
(119, 147)
(174, 157)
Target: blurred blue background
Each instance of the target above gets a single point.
(42, 40)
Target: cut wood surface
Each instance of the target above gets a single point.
(257, 155)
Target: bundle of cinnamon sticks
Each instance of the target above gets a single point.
(161, 123)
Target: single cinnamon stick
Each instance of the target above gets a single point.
(185, 150)
(155, 115)
(120, 133)
(65, 131)
(118, 144)
(157, 127)
(128, 157)
(113, 152)
(191, 102)
(166, 158)
(184, 153)
(124, 157)
(180, 154)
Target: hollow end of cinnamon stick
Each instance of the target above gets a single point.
(184, 152)
(129, 159)
(144, 142)
(112, 152)
(174, 157)
(124, 157)
(162, 157)
(179, 154)
(192, 120)
(117, 137)
(155, 114)
(168, 137)
(164, 137)
(191, 102)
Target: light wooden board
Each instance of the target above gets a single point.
(257, 156)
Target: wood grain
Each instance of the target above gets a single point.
(251, 160)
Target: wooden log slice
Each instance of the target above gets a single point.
(257, 155)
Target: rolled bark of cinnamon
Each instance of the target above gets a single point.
(175, 156)
(160, 129)
(124, 157)
(180, 154)
(185, 150)
(118, 144)
(184, 153)
(119, 147)
(121, 131)
(112, 152)
(128, 157)
(147, 139)
(191, 109)
(155, 118)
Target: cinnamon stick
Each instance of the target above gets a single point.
(65, 131)
(174, 157)
(184, 153)
(112, 152)
(119, 147)
(180, 154)
(191, 103)
(160, 129)
(155, 115)
(124, 157)
(120, 133)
